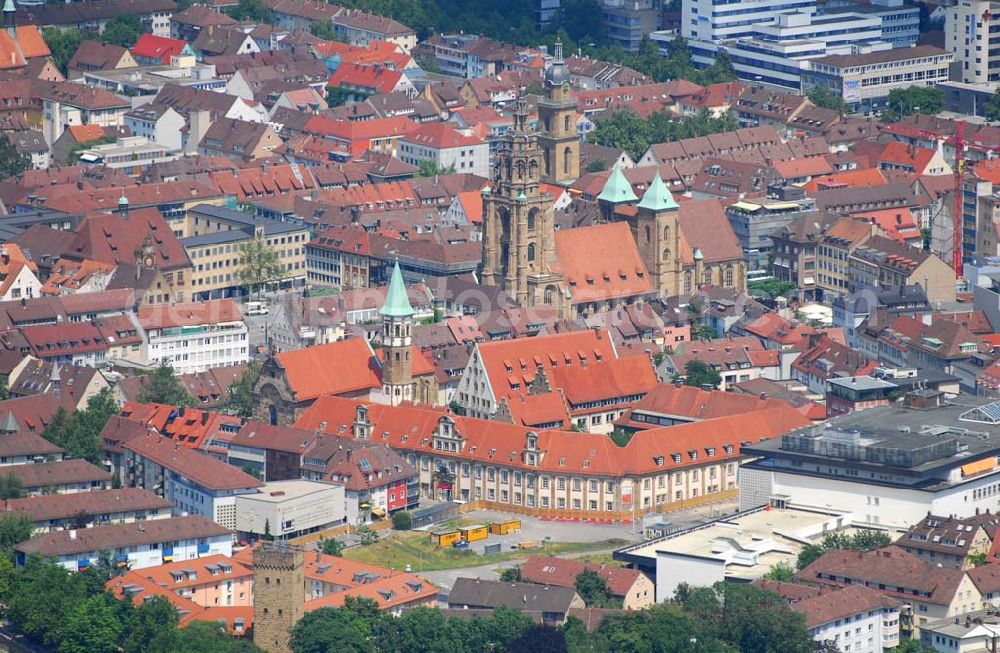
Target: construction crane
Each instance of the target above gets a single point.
(956, 248)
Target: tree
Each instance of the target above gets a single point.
(251, 10)
(15, 527)
(267, 537)
(338, 95)
(977, 559)
(771, 287)
(331, 546)
(329, 629)
(153, 620)
(826, 98)
(903, 102)
(94, 626)
(10, 487)
(621, 437)
(863, 540)
(12, 163)
(781, 571)
(367, 534)
(431, 168)
(402, 520)
(539, 638)
(43, 594)
(201, 636)
(581, 20)
(991, 108)
(241, 398)
(596, 165)
(260, 265)
(64, 43)
(163, 387)
(511, 574)
(123, 30)
(79, 433)
(911, 646)
(594, 590)
(700, 374)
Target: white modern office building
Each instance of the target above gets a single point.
(972, 32)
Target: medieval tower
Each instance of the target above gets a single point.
(279, 595)
(397, 343)
(558, 139)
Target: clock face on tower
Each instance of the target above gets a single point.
(147, 261)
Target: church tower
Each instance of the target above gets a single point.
(519, 248)
(397, 342)
(559, 139)
(657, 232)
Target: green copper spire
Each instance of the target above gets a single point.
(657, 197)
(397, 304)
(617, 189)
(8, 6)
(123, 201)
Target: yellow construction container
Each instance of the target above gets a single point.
(445, 538)
(474, 533)
(505, 527)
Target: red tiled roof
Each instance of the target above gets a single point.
(201, 468)
(848, 178)
(335, 368)
(378, 78)
(56, 473)
(212, 311)
(601, 262)
(439, 135)
(161, 48)
(562, 572)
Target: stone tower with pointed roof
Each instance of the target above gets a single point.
(656, 229)
(397, 342)
(519, 250)
(558, 139)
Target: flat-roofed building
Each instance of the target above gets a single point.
(195, 337)
(865, 80)
(887, 465)
(290, 508)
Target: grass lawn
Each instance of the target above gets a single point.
(415, 549)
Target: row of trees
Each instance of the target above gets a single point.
(727, 618)
(71, 613)
(627, 130)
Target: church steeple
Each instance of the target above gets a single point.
(397, 342)
(559, 139)
(518, 222)
(122, 202)
(9, 11)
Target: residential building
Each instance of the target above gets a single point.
(238, 139)
(857, 618)
(288, 509)
(67, 103)
(216, 580)
(132, 154)
(552, 604)
(949, 541)
(885, 263)
(94, 55)
(359, 27)
(195, 337)
(444, 147)
(138, 545)
(94, 15)
(834, 252)
(158, 123)
(631, 586)
(194, 482)
(67, 476)
(188, 24)
(153, 50)
(52, 512)
(377, 481)
(967, 633)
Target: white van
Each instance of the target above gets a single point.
(257, 308)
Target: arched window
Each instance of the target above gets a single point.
(550, 294)
(520, 170)
(729, 276)
(397, 356)
(666, 234)
(566, 126)
(649, 233)
(567, 153)
(531, 252)
(548, 162)
(687, 282)
(533, 169)
(708, 275)
(666, 255)
(531, 218)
